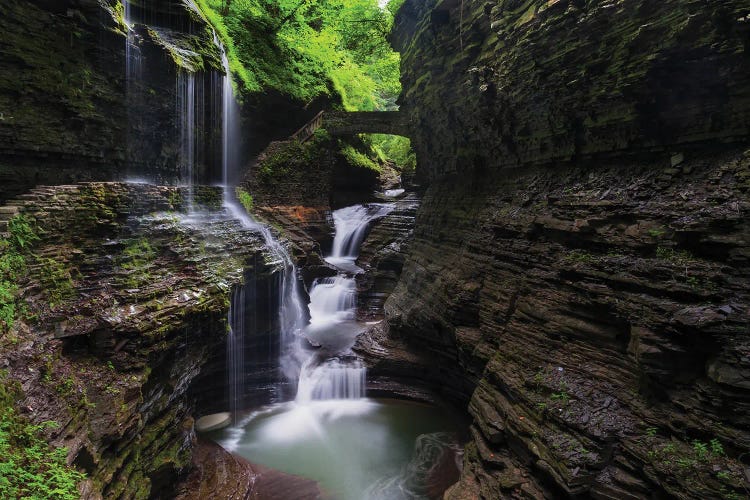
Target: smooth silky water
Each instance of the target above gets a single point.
(355, 449)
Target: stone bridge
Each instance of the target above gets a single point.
(355, 122)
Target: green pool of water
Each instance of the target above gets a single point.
(356, 449)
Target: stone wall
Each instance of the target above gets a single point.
(512, 82)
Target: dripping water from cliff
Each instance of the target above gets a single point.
(236, 350)
(186, 123)
(133, 82)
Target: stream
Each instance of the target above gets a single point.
(354, 446)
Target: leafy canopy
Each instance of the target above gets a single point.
(309, 48)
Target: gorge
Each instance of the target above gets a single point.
(544, 293)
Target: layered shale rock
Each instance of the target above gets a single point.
(509, 82)
(382, 256)
(125, 303)
(578, 274)
(68, 110)
(601, 316)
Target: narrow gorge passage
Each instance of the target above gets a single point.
(375, 249)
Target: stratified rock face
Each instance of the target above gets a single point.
(382, 256)
(501, 83)
(126, 302)
(67, 111)
(579, 267)
(586, 307)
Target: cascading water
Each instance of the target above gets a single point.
(236, 350)
(333, 327)
(330, 431)
(292, 315)
(351, 228)
(185, 113)
(133, 79)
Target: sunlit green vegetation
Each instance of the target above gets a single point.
(306, 49)
(13, 252)
(310, 48)
(29, 467)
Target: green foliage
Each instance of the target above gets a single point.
(22, 235)
(396, 149)
(561, 396)
(246, 199)
(13, 251)
(700, 449)
(29, 467)
(137, 257)
(716, 447)
(56, 279)
(678, 257)
(357, 158)
(309, 48)
(656, 233)
(579, 256)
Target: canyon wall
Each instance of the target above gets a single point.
(578, 276)
(68, 112)
(121, 325)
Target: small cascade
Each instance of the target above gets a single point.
(236, 350)
(332, 300)
(351, 228)
(332, 380)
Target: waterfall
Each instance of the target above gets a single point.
(133, 81)
(351, 228)
(229, 124)
(292, 315)
(236, 350)
(185, 113)
(332, 380)
(333, 306)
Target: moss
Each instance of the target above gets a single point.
(246, 199)
(56, 279)
(358, 159)
(29, 467)
(136, 260)
(14, 252)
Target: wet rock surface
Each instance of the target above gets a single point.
(594, 319)
(67, 111)
(578, 272)
(126, 304)
(502, 83)
(221, 475)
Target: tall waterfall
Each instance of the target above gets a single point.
(133, 81)
(186, 98)
(236, 350)
(292, 314)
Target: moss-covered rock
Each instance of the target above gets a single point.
(124, 305)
